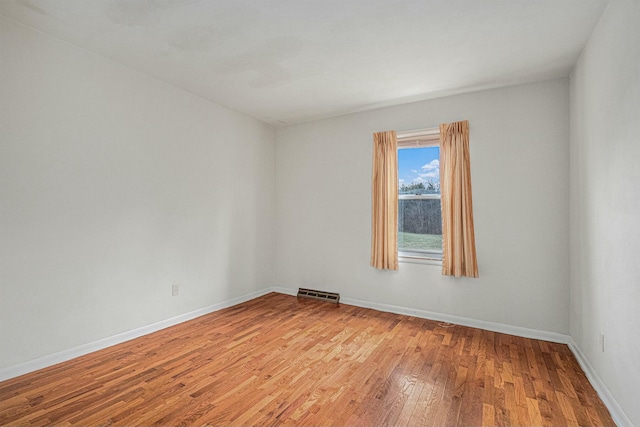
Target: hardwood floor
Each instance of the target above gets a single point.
(277, 360)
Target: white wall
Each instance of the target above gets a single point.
(113, 187)
(605, 202)
(519, 140)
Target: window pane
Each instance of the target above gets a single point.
(419, 170)
(419, 225)
(419, 211)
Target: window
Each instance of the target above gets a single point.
(419, 208)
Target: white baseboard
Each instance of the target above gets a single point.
(63, 356)
(286, 291)
(464, 321)
(458, 320)
(618, 415)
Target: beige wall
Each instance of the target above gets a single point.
(520, 168)
(113, 187)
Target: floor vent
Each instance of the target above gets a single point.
(321, 295)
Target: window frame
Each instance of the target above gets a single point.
(419, 139)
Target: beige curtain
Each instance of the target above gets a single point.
(384, 202)
(458, 241)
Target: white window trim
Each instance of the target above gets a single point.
(418, 196)
(412, 259)
(417, 139)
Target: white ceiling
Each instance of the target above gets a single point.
(288, 61)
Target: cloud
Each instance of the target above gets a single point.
(414, 171)
(432, 174)
(418, 180)
(433, 164)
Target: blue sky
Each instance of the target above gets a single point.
(418, 165)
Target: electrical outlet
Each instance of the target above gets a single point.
(175, 290)
(602, 342)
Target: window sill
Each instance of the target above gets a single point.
(414, 259)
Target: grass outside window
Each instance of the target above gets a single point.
(419, 242)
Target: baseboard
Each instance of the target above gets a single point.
(286, 291)
(81, 350)
(618, 415)
(459, 320)
(464, 321)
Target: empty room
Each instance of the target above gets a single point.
(341, 213)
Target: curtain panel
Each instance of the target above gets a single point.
(384, 201)
(458, 239)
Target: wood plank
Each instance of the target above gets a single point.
(278, 360)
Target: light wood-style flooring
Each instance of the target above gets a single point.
(278, 360)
